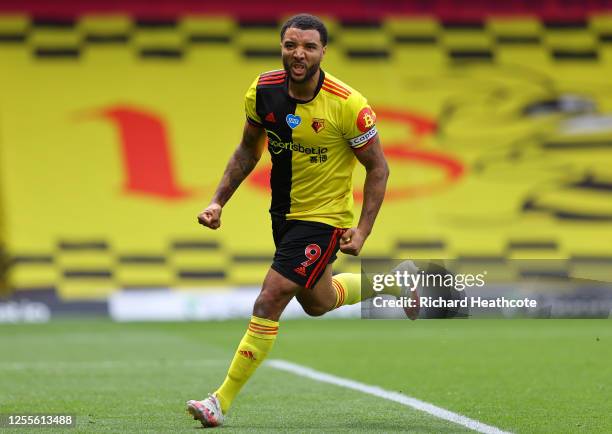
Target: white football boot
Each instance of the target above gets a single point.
(208, 411)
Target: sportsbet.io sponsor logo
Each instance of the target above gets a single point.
(276, 146)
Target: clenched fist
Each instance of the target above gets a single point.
(352, 241)
(211, 216)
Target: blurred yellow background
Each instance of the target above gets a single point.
(499, 141)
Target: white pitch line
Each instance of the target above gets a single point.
(386, 394)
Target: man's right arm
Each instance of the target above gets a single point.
(242, 162)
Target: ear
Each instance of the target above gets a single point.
(324, 49)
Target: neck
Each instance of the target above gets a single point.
(306, 90)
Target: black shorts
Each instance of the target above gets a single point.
(304, 249)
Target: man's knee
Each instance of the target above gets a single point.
(274, 297)
(314, 309)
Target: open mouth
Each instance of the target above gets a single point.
(298, 68)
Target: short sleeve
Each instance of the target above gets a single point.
(250, 104)
(359, 122)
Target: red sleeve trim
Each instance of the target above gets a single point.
(335, 92)
(274, 77)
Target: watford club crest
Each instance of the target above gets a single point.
(318, 124)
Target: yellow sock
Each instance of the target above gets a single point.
(252, 350)
(348, 288)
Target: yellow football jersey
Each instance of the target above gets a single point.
(312, 144)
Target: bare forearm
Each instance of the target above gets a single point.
(238, 168)
(374, 189)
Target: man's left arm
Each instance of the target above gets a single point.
(377, 172)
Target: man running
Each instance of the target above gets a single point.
(316, 127)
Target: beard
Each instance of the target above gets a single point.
(310, 72)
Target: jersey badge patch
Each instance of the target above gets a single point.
(365, 119)
(317, 124)
(293, 120)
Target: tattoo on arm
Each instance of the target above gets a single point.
(241, 163)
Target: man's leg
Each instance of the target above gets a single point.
(332, 292)
(277, 291)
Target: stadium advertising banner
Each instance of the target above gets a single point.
(114, 134)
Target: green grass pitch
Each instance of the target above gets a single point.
(518, 375)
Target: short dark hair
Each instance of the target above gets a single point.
(306, 22)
